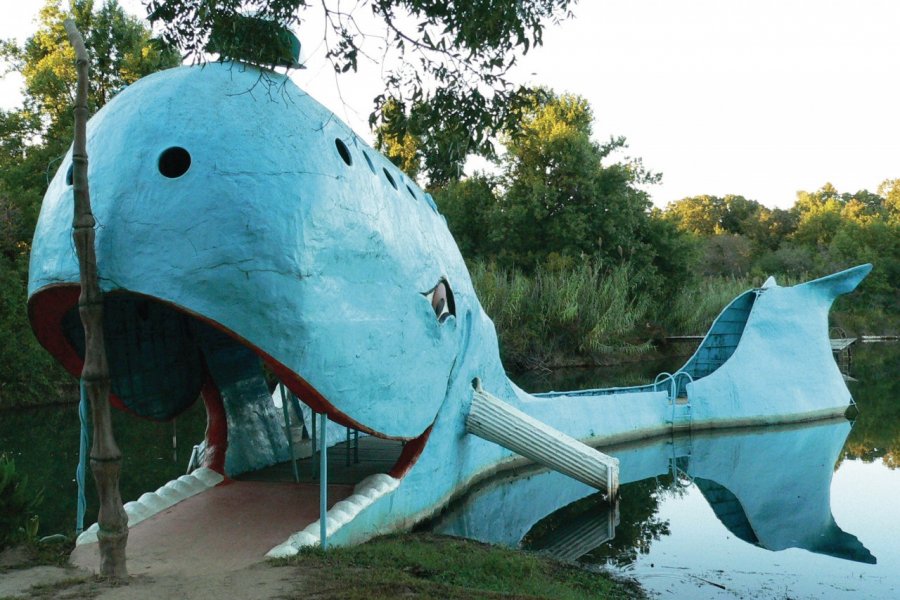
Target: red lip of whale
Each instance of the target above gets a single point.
(50, 307)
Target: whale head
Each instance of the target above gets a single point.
(227, 202)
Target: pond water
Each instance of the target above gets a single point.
(806, 511)
(803, 511)
(44, 444)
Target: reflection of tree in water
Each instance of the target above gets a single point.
(876, 433)
(638, 524)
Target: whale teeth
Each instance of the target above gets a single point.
(364, 495)
(168, 495)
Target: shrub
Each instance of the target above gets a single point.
(558, 315)
(18, 521)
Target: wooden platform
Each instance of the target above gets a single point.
(684, 338)
(375, 455)
(867, 339)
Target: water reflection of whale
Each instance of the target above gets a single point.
(770, 487)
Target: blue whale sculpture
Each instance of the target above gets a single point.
(240, 223)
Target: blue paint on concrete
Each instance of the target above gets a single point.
(289, 234)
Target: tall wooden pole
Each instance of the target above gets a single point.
(106, 459)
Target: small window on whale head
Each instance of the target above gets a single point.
(441, 298)
(174, 162)
(368, 161)
(70, 174)
(390, 178)
(344, 151)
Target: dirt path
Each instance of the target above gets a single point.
(261, 581)
(211, 546)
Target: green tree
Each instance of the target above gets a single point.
(714, 215)
(770, 227)
(820, 214)
(33, 138)
(446, 63)
(469, 206)
(122, 51)
(700, 215)
(435, 137)
(818, 219)
(877, 242)
(674, 254)
(398, 139)
(890, 191)
(560, 195)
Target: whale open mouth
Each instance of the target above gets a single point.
(162, 358)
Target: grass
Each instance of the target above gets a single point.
(694, 307)
(584, 316)
(554, 318)
(81, 588)
(430, 566)
(418, 565)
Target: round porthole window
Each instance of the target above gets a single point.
(174, 162)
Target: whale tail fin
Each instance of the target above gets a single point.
(792, 316)
(837, 284)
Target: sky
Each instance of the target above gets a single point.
(761, 98)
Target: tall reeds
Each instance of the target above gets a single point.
(562, 317)
(584, 315)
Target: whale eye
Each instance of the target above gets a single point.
(441, 299)
(174, 162)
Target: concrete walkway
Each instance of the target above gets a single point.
(225, 528)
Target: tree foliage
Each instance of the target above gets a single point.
(470, 207)
(561, 197)
(824, 231)
(446, 63)
(122, 51)
(559, 193)
(33, 139)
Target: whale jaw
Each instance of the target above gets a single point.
(162, 358)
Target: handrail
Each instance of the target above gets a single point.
(290, 434)
(666, 376)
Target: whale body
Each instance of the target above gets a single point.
(240, 224)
